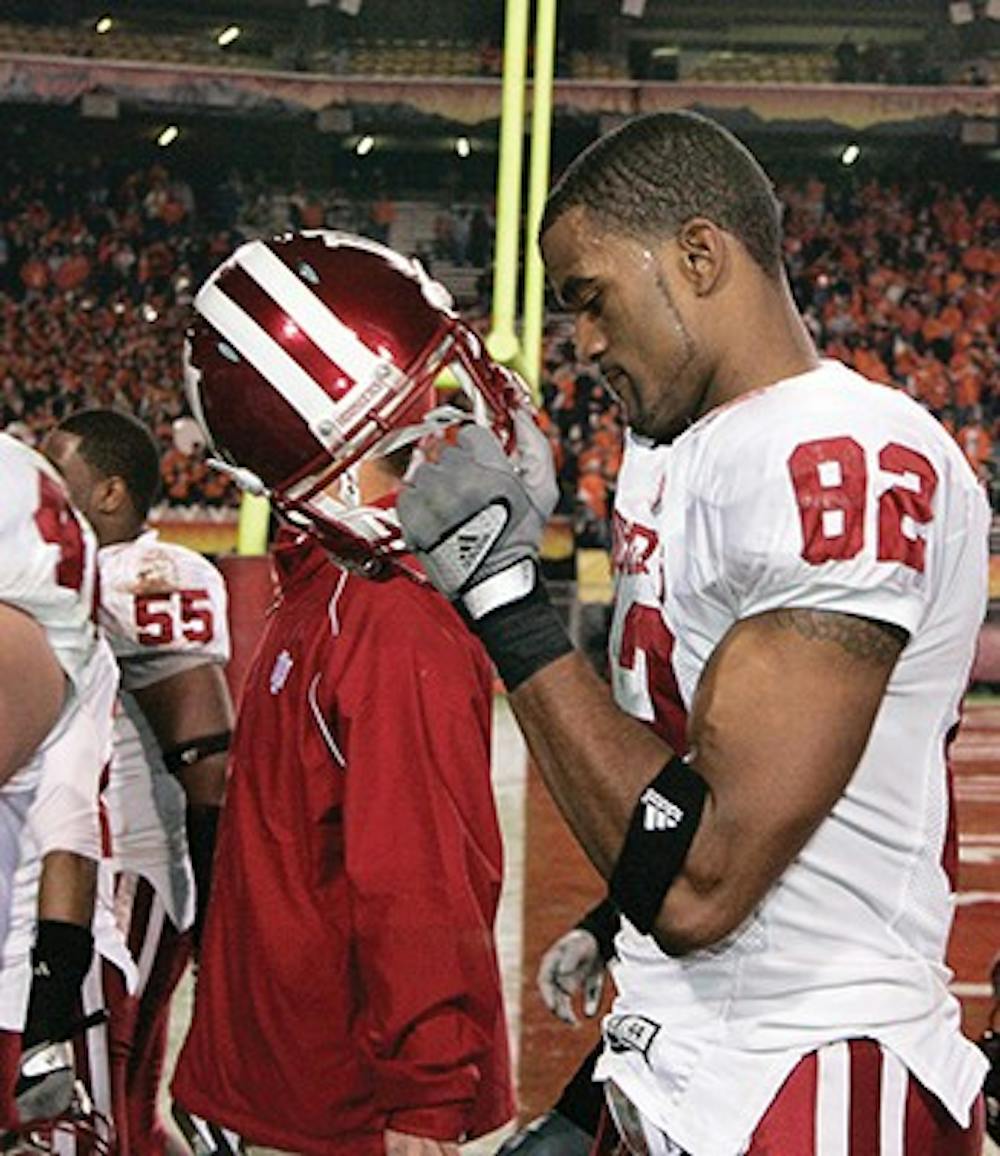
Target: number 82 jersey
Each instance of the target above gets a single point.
(831, 493)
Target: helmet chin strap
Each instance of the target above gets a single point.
(441, 418)
(246, 479)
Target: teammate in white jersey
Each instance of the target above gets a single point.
(165, 612)
(801, 570)
(54, 667)
(48, 636)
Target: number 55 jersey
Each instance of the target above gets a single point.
(164, 609)
(829, 492)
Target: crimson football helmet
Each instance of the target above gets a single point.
(313, 350)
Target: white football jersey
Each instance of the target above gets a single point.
(830, 492)
(164, 609)
(64, 815)
(47, 570)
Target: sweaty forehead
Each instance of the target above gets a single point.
(580, 250)
(577, 246)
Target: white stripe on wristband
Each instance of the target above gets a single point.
(500, 589)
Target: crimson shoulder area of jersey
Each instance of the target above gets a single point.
(24, 472)
(46, 550)
(825, 491)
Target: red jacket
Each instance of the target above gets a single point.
(348, 979)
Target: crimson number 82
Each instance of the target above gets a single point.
(830, 478)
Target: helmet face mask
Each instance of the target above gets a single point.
(313, 351)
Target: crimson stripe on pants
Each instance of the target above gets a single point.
(865, 1102)
(852, 1098)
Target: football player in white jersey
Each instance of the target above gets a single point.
(46, 599)
(801, 567)
(56, 674)
(165, 612)
(49, 946)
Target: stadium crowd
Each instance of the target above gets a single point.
(97, 272)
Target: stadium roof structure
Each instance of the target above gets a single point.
(419, 73)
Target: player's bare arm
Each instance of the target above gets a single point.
(67, 888)
(191, 715)
(184, 708)
(32, 688)
(778, 724)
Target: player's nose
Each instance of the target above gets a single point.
(589, 339)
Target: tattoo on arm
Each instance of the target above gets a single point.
(864, 638)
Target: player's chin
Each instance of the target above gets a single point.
(661, 420)
(641, 419)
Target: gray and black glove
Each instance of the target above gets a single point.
(474, 517)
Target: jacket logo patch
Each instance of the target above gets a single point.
(280, 671)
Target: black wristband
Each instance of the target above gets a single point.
(603, 922)
(60, 960)
(523, 636)
(663, 826)
(194, 750)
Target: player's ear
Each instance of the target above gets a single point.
(703, 254)
(110, 494)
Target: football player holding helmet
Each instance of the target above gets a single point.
(313, 350)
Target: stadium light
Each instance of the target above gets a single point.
(462, 146)
(168, 136)
(850, 155)
(364, 146)
(228, 35)
(103, 25)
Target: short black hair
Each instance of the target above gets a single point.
(116, 444)
(655, 172)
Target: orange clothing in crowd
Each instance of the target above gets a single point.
(592, 490)
(976, 445)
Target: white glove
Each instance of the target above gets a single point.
(572, 964)
(474, 517)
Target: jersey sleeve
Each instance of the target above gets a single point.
(809, 515)
(420, 839)
(64, 815)
(165, 610)
(47, 556)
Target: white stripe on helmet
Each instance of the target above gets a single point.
(317, 321)
(258, 348)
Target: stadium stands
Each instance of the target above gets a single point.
(96, 274)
